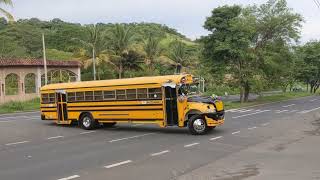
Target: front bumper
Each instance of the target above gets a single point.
(215, 119)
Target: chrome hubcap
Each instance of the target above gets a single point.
(86, 122)
(199, 125)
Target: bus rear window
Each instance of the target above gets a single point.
(45, 98)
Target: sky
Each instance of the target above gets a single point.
(187, 16)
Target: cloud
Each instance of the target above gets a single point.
(187, 16)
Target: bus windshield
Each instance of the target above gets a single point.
(189, 89)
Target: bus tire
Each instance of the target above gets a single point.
(109, 125)
(197, 125)
(87, 122)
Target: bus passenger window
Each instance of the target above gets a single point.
(155, 93)
(79, 96)
(142, 93)
(98, 96)
(121, 94)
(89, 95)
(45, 98)
(71, 96)
(52, 98)
(131, 93)
(109, 95)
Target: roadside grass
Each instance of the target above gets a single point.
(267, 99)
(19, 106)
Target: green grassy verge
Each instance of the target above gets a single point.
(10, 107)
(267, 99)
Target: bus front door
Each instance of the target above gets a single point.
(171, 105)
(61, 98)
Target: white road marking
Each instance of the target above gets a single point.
(118, 164)
(310, 110)
(255, 127)
(159, 153)
(292, 111)
(70, 177)
(288, 105)
(250, 114)
(189, 145)
(215, 138)
(126, 138)
(88, 132)
(15, 143)
(265, 124)
(281, 111)
(137, 125)
(237, 132)
(55, 137)
(245, 110)
(313, 100)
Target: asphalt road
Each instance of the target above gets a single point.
(40, 150)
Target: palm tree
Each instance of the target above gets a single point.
(4, 12)
(152, 49)
(179, 55)
(94, 43)
(120, 39)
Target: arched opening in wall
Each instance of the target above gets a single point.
(30, 83)
(12, 84)
(59, 76)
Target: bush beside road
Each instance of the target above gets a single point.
(19, 106)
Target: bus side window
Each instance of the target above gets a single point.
(109, 95)
(52, 98)
(71, 96)
(121, 94)
(142, 93)
(45, 98)
(89, 95)
(79, 96)
(98, 96)
(131, 93)
(154, 93)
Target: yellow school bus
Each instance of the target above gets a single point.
(163, 100)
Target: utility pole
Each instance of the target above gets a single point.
(44, 60)
(94, 62)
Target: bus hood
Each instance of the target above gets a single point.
(202, 99)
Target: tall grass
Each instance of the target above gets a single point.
(18, 106)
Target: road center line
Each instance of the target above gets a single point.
(189, 145)
(265, 124)
(288, 105)
(70, 177)
(118, 164)
(255, 127)
(237, 132)
(307, 111)
(159, 153)
(215, 138)
(250, 114)
(281, 111)
(15, 143)
(88, 132)
(55, 137)
(126, 138)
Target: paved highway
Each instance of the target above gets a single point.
(39, 150)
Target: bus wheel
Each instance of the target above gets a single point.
(87, 122)
(197, 125)
(108, 125)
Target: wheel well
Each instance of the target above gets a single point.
(83, 114)
(190, 114)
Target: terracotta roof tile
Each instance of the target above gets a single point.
(37, 62)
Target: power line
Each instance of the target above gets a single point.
(317, 3)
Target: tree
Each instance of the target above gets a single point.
(179, 54)
(4, 12)
(94, 43)
(152, 49)
(120, 39)
(240, 38)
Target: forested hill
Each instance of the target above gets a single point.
(23, 38)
